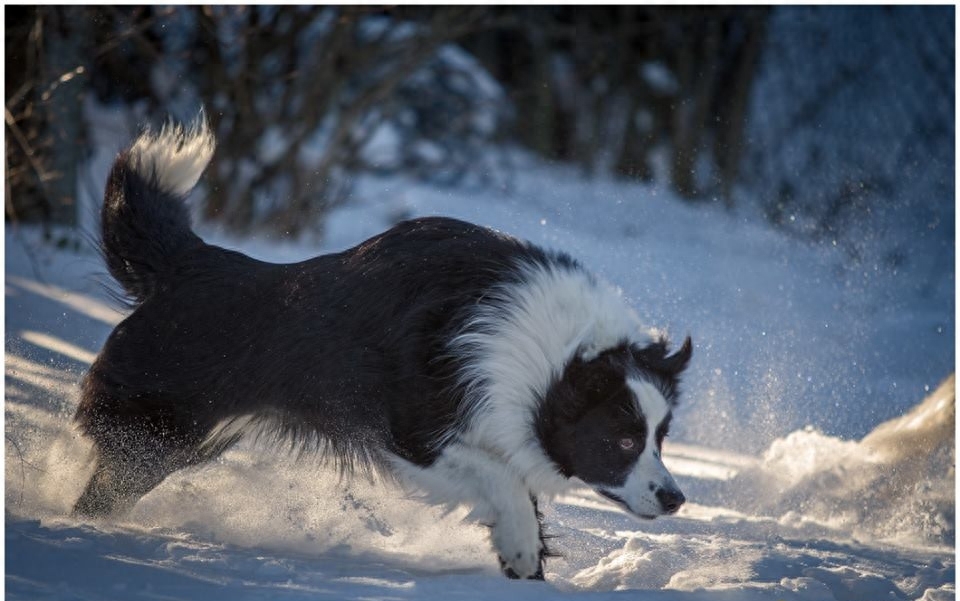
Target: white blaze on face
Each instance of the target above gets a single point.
(648, 475)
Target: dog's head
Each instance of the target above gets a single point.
(604, 420)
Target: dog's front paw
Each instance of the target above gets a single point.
(510, 573)
(519, 550)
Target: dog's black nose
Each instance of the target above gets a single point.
(670, 499)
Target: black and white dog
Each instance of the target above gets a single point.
(478, 368)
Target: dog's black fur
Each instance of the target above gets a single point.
(317, 347)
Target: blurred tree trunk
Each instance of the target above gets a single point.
(698, 64)
(729, 141)
(68, 36)
(47, 53)
(639, 135)
(543, 110)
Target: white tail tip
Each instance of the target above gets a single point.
(176, 157)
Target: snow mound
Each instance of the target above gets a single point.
(895, 485)
(670, 561)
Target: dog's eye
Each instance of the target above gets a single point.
(627, 444)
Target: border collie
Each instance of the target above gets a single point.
(478, 368)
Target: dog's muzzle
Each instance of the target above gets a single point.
(669, 498)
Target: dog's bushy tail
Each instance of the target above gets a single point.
(145, 223)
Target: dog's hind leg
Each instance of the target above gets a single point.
(128, 470)
(116, 485)
(130, 463)
(138, 443)
(499, 498)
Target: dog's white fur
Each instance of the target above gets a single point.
(518, 343)
(175, 157)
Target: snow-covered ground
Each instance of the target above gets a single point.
(796, 491)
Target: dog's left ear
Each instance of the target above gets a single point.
(677, 362)
(655, 357)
